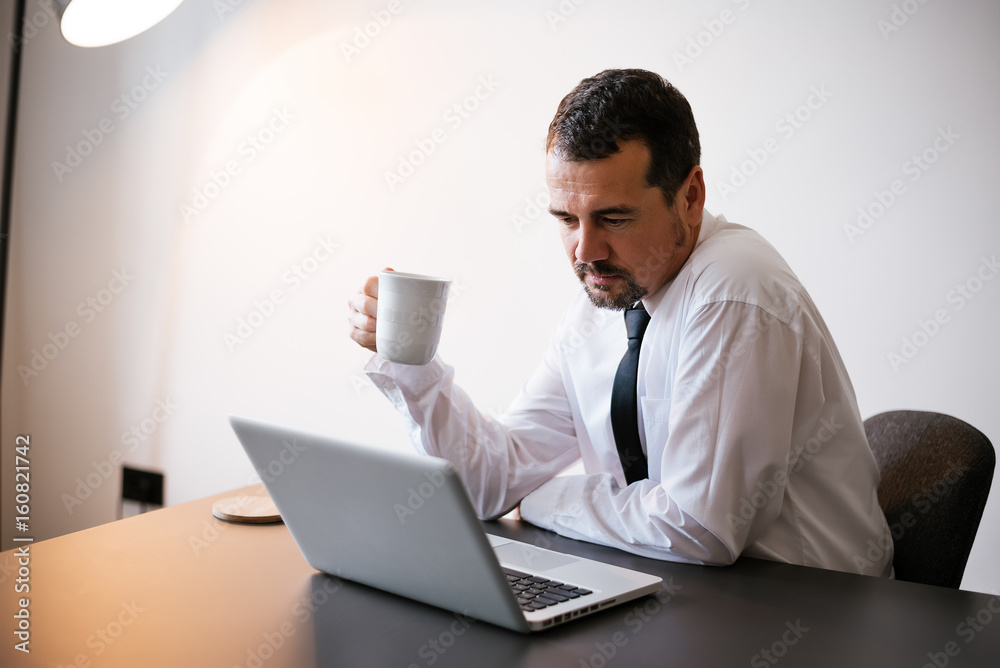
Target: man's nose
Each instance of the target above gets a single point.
(591, 246)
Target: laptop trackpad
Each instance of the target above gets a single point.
(531, 558)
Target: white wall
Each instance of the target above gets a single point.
(329, 126)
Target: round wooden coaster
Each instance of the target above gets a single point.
(248, 509)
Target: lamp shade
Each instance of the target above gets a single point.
(103, 22)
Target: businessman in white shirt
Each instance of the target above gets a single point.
(727, 426)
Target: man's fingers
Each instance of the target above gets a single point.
(363, 338)
(371, 285)
(362, 312)
(365, 323)
(363, 304)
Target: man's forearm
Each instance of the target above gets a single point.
(641, 519)
(499, 464)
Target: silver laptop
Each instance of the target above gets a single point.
(403, 523)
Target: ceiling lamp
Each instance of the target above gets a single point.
(103, 22)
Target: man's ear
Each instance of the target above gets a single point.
(690, 201)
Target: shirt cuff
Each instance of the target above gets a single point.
(391, 378)
(403, 384)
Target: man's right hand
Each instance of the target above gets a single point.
(362, 311)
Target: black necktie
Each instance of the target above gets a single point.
(624, 402)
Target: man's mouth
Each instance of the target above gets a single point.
(603, 279)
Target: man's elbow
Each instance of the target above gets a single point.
(488, 512)
(722, 559)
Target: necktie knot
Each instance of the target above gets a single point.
(636, 320)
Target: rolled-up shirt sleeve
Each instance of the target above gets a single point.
(499, 461)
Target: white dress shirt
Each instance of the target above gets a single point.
(747, 417)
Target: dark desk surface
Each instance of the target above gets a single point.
(179, 588)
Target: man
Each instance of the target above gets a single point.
(734, 430)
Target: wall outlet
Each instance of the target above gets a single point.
(142, 491)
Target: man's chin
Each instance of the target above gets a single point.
(613, 301)
(615, 292)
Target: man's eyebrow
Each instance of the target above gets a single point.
(620, 209)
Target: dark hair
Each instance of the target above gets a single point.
(621, 105)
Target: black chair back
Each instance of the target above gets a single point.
(936, 477)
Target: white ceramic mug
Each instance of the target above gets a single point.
(410, 316)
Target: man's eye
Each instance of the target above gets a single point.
(614, 222)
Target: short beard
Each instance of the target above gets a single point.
(600, 298)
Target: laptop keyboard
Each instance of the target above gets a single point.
(535, 593)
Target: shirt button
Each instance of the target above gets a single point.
(390, 386)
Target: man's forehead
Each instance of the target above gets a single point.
(620, 173)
